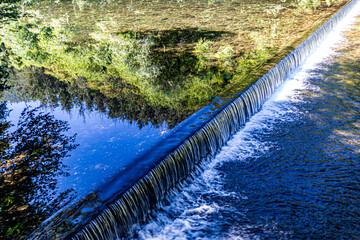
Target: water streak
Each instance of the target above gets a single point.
(134, 205)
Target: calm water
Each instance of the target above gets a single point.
(291, 173)
(80, 152)
(100, 140)
(95, 94)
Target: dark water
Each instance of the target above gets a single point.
(100, 140)
(291, 173)
(63, 156)
(63, 145)
(81, 112)
(70, 125)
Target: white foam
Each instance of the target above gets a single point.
(188, 210)
(326, 49)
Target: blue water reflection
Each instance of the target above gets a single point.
(106, 146)
(292, 172)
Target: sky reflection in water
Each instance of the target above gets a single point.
(292, 172)
(106, 146)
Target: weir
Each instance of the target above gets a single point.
(150, 180)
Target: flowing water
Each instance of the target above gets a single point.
(96, 156)
(292, 172)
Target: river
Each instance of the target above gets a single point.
(292, 172)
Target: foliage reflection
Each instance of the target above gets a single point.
(31, 162)
(175, 79)
(126, 105)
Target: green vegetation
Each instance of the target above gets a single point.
(313, 4)
(31, 157)
(181, 68)
(9, 10)
(144, 61)
(31, 161)
(52, 92)
(131, 60)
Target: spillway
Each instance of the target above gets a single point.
(131, 195)
(292, 172)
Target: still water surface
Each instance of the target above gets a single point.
(291, 173)
(92, 126)
(100, 139)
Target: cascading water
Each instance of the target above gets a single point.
(292, 171)
(117, 216)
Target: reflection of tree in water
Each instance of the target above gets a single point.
(177, 69)
(30, 157)
(4, 69)
(4, 125)
(31, 161)
(123, 104)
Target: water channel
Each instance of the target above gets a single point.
(79, 135)
(292, 172)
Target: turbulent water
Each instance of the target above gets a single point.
(292, 172)
(70, 154)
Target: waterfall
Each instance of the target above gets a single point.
(119, 214)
